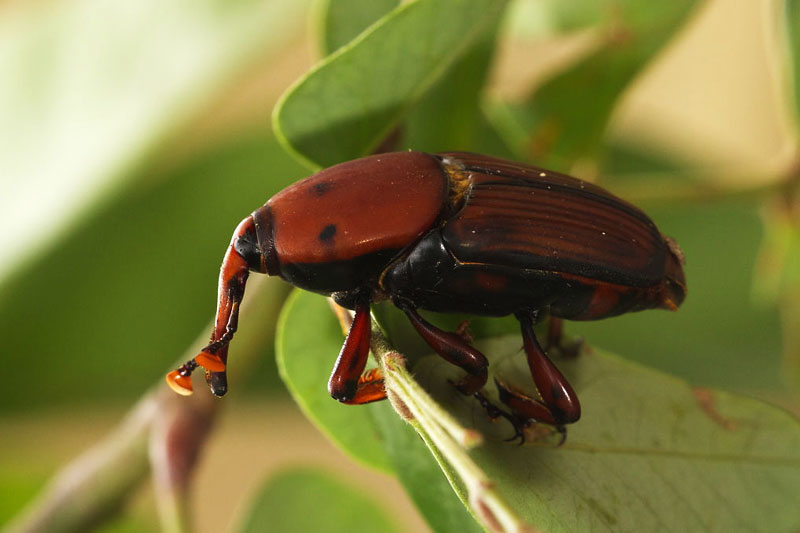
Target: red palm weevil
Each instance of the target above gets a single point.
(449, 232)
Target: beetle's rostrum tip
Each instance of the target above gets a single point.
(218, 383)
(180, 383)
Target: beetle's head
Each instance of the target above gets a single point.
(673, 289)
(251, 248)
(254, 243)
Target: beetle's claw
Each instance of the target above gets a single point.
(519, 429)
(495, 412)
(518, 434)
(563, 432)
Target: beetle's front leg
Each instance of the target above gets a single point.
(559, 404)
(347, 384)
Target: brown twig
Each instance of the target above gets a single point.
(163, 433)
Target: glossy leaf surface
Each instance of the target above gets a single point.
(789, 20)
(93, 87)
(309, 340)
(565, 118)
(148, 262)
(340, 21)
(345, 106)
(302, 500)
(649, 452)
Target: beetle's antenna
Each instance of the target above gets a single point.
(213, 358)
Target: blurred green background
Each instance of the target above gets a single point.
(135, 136)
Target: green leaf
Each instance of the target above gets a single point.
(347, 104)
(650, 453)
(565, 118)
(449, 116)
(94, 86)
(340, 21)
(420, 474)
(309, 337)
(308, 341)
(303, 500)
(776, 279)
(790, 22)
(778, 268)
(124, 295)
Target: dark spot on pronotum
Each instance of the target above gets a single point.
(321, 188)
(327, 232)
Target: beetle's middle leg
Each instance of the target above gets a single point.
(557, 404)
(347, 384)
(454, 349)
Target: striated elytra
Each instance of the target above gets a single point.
(450, 232)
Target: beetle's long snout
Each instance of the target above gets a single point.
(246, 252)
(253, 240)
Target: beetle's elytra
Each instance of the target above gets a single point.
(450, 232)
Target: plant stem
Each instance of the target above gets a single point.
(445, 437)
(163, 433)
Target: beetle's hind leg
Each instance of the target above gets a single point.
(455, 349)
(557, 403)
(348, 384)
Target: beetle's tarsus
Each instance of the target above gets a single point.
(495, 412)
(463, 331)
(518, 434)
(563, 431)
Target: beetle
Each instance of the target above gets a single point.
(450, 232)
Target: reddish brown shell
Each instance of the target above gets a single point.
(525, 217)
(355, 209)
